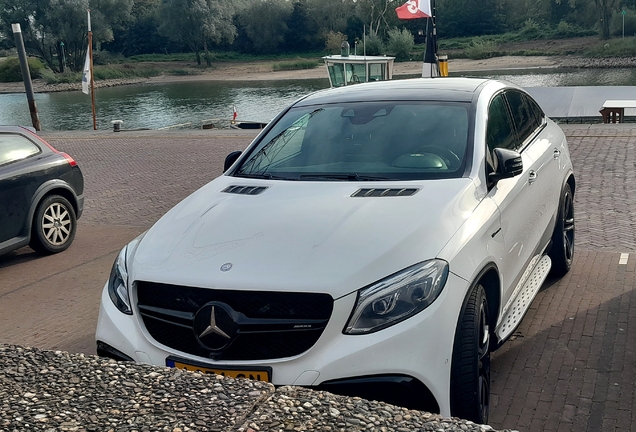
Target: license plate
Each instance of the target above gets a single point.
(256, 374)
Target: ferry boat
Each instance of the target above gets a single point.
(345, 69)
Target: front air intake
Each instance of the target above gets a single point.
(370, 192)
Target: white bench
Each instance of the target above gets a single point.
(613, 111)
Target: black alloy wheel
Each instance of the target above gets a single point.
(470, 369)
(562, 251)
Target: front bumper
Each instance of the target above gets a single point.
(413, 354)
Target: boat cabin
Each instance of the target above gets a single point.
(353, 69)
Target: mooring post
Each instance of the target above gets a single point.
(24, 66)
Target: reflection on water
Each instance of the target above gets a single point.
(564, 77)
(160, 105)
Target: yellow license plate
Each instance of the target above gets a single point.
(253, 374)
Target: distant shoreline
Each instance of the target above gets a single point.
(262, 71)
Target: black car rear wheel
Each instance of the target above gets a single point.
(54, 225)
(562, 251)
(470, 369)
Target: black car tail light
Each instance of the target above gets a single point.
(68, 158)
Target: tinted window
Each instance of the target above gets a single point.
(383, 140)
(536, 110)
(15, 147)
(522, 114)
(499, 132)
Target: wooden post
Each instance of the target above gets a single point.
(90, 54)
(26, 76)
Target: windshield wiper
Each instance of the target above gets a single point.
(266, 176)
(343, 177)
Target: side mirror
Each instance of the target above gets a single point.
(508, 164)
(230, 159)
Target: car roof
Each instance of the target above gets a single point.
(416, 89)
(15, 129)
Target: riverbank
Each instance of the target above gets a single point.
(262, 71)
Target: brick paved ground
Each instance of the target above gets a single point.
(569, 367)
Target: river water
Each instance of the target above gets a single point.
(191, 104)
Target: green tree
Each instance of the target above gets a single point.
(302, 29)
(400, 43)
(264, 24)
(195, 22)
(470, 17)
(141, 33)
(47, 25)
(605, 9)
(378, 15)
(331, 15)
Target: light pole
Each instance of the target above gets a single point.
(623, 13)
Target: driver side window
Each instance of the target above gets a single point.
(499, 130)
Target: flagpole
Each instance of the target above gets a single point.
(435, 37)
(430, 66)
(90, 54)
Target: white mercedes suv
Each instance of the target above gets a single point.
(377, 240)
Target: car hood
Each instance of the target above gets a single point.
(300, 236)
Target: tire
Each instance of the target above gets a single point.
(470, 369)
(54, 225)
(562, 250)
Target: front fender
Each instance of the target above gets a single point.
(477, 243)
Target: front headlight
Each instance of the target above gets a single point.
(118, 283)
(397, 297)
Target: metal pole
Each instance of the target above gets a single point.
(63, 57)
(90, 54)
(26, 76)
(364, 40)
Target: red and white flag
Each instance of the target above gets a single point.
(413, 9)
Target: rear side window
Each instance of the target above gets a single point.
(499, 132)
(536, 110)
(15, 147)
(523, 114)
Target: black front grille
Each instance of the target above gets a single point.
(271, 324)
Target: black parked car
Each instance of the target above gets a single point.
(41, 193)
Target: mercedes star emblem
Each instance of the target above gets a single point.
(212, 328)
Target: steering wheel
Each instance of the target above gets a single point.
(451, 159)
(355, 78)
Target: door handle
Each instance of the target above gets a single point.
(556, 153)
(532, 176)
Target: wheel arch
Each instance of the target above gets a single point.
(488, 278)
(571, 182)
(52, 187)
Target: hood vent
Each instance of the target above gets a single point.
(369, 192)
(244, 190)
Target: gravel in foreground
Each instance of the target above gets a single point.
(58, 391)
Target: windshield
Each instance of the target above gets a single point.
(363, 141)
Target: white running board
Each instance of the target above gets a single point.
(521, 303)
